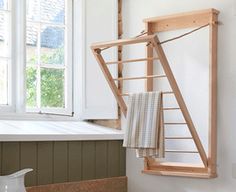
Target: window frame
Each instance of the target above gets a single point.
(9, 107)
(80, 111)
(17, 81)
(67, 67)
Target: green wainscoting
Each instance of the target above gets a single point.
(63, 161)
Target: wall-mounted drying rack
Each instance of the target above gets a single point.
(199, 19)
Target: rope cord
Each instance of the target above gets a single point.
(185, 34)
(168, 40)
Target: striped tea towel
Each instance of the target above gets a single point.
(144, 127)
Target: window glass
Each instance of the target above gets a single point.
(5, 55)
(46, 64)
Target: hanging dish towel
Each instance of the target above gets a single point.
(144, 125)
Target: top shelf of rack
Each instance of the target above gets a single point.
(182, 20)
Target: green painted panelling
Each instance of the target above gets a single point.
(10, 157)
(113, 158)
(101, 159)
(88, 160)
(122, 160)
(62, 161)
(45, 163)
(0, 158)
(28, 159)
(75, 161)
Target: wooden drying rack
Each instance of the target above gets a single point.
(159, 24)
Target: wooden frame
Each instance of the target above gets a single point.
(153, 25)
(190, 20)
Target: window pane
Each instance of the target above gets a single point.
(45, 47)
(31, 44)
(31, 84)
(33, 10)
(4, 35)
(4, 4)
(52, 88)
(3, 82)
(52, 45)
(52, 11)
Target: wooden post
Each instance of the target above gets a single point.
(212, 152)
(149, 63)
(120, 49)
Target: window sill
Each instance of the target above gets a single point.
(55, 131)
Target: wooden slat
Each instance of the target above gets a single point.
(132, 60)
(10, 157)
(28, 159)
(128, 94)
(180, 15)
(60, 162)
(173, 138)
(88, 160)
(136, 78)
(171, 108)
(175, 123)
(122, 42)
(167, 92)
(176, 166)
(149, 63)
(120, 55)
(203, 175)
(101, 159)
(75, 161)
(180, 151)
(113, 158)
(110, 81)
(179, 98)
(212, 152)
(125, 94)
(45, 163)
(180, 21)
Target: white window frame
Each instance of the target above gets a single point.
(17, 77)
(9, 107)
(17, 111)
(67, 67)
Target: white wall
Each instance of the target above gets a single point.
(188, 59)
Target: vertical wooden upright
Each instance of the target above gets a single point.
(149, 64)
(120, 49)
(212, 151)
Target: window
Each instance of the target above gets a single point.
(39, 72)
(36, 57)
(48, 63)
(5, 53)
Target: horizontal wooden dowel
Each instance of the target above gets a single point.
(171, 108)
(136, 78)
(122, 42)
(175, 123)
(128, 94)
(178, 138)
(132, 60)
(167, 92)
(180, 151)
(125, 94)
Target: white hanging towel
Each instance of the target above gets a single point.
(144, 125)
